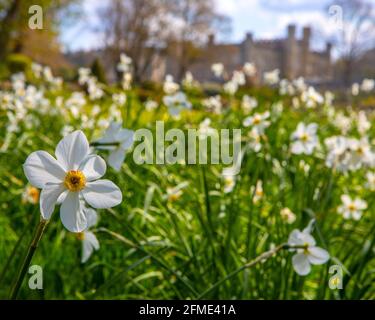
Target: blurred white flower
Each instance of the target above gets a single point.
(351, 208)
(238, 78)
(249, 69)
(368, 85)
(272, 77)
(363, 124)
(255, 142)
(305, 139)
(189, 80)
(30, 195)
(287, 215)
(308, 254)
(84, 75)
(360, 153)
(170, 87)
(258, 192)
(151, 105)
(217, 69)
(74, 174)
(248, 104)
(127, 79)
(119, 99)
(36, 69)
(370, 181)
(258, 121)
(175, 193)
(229, 179)
(89, 241)
(117, 140)
(311, 97)
(355, 89)
(213, 104)
(125, 63)
(342, 122)
(230, 87)
(176, 103)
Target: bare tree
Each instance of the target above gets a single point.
(140, 28)
(356, 33)
(195, 21)
(14, 16)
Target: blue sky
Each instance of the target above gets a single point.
(264, 18)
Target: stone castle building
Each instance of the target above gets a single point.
(292, 56)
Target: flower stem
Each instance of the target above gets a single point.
(263, 257)
(29, 255)
(104, 144)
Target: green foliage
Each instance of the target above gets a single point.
(153, 247)
(98, 71)
(18, 63)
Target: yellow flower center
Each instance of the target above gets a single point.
(173, 197)
(34, 194)
(80, 236)
(75, 180)
(352, 207)
(305, 137)
(257, 120)
(306, 249)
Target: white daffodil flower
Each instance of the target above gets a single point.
(248, 103)
(309, 254)
(258, 192)
(89, 241)
(176, 103)
(287, 215)
(217, 69)
(272, 77)
(229, 178)
(258, 121)
(175, 193)
(368, 85)
(73, 174)
(249, 69)
(230, 87)
(205, 130)
(305, 139)
(239, 78)
(213, 104)
(117, 140)
(170, 87)
(125, 63)
(363, 124)
(355, 89)
(370, 181)
(351, 208)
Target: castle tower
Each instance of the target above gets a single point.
(247, 47)
(305, 51)
(290, 61)
(328, 60)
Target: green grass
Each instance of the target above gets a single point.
(152, 248)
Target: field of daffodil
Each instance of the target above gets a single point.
(81, 219)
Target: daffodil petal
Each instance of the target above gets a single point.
(93, 167)
(318, 255)
(71, 213)
(48, 198)
(301, 264)
(41, 168)
(116, 158)
(90, 243)
(102, 194)
(72, 150)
